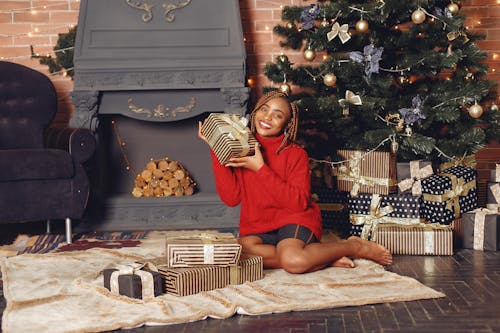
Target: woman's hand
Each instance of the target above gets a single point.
(254, 162)
(200, 134)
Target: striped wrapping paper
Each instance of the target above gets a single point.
(373, 172)
(423, 239)
(202, 249)
(192, 280)
(228, 136)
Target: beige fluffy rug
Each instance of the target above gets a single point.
(63, 292)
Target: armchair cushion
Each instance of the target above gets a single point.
(35, 164)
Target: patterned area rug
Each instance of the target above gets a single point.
(63, 291)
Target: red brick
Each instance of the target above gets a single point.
(50, 5)
(58, 17)
(35, 40)
(14, 5)
(28, 17)
(5, 18)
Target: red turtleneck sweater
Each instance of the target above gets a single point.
(277, 194)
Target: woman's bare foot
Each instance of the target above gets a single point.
(343, 262)
(370, 250)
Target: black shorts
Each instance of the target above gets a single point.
(288, 231)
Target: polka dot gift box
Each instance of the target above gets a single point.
(449, 194)
(334, 211)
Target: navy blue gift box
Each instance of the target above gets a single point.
(334, 211)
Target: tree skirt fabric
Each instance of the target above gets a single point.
(63, 292)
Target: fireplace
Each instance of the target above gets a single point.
(145, 73)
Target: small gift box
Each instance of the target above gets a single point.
(367, 211)
(410, 174)
(334, 211)
(481, 230)
(192, 280)
(228, 136)
(367, 172)
(495, 174)
(493, 197)
(421, 239)
(202, 249)
(449, 194)
(133, 281)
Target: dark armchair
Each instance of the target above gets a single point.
(41, 172)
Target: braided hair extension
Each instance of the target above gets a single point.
(293, 123)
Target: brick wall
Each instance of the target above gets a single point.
(37, 23)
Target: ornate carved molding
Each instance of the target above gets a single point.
(236, 99)
(147, 7)
(166, 79)
(86, 108)
(161, 111)
(170, 7)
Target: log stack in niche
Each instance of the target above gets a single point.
(163, 178)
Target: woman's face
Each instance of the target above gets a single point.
(272, 117)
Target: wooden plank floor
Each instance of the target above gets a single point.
(470, 279)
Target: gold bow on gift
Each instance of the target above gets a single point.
(339, 30)
(350, 98)
(352, 173)
(465, 161)
(379, 215)
(452, 35)
(236, 130)
(451, 197)
(416, 175)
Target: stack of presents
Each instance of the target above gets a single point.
(410, 208)
(193, 263)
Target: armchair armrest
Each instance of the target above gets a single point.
(79, 142)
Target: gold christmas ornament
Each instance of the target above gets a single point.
(329, 79)
(309, 54)
(362, 25)
(418, 16)
(285, 88)
(453, 8)
(494, 107)
(475, 111)
(324, 23)
(289, 25)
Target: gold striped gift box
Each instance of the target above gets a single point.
(192, 280)
(202, 249)
(422, 239)
(228, 136)
(367, 172)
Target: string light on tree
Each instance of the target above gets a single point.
(418, 16)
(475, 111)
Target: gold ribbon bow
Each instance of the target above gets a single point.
(376, 216)
(350, 98)
(479, 219)
(416, 175)
(452, 35)
(451, 197)
(147, 283)
(465, 161)
(339, 30)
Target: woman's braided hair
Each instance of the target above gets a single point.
(293, 123)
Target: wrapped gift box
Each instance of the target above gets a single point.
(481, 230)
(422, 239)
(367, 172)
(202, 249)
(228, 136)
(133, 282)
(368, 210)
(334, 211)
(493, 197)
(192, 280)
(410, 174)
(449, 194)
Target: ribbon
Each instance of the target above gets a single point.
(339, 30)
(378, 215)
(147, 284)
(208, 240)
(451, 197)
(352, 173)
(465, 161)
(350, 98)
(416, 175)
(452, 35)
(332, 206)
(236, 130)
(497, 173)
(479, 219)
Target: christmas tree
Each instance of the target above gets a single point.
(405, 76)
